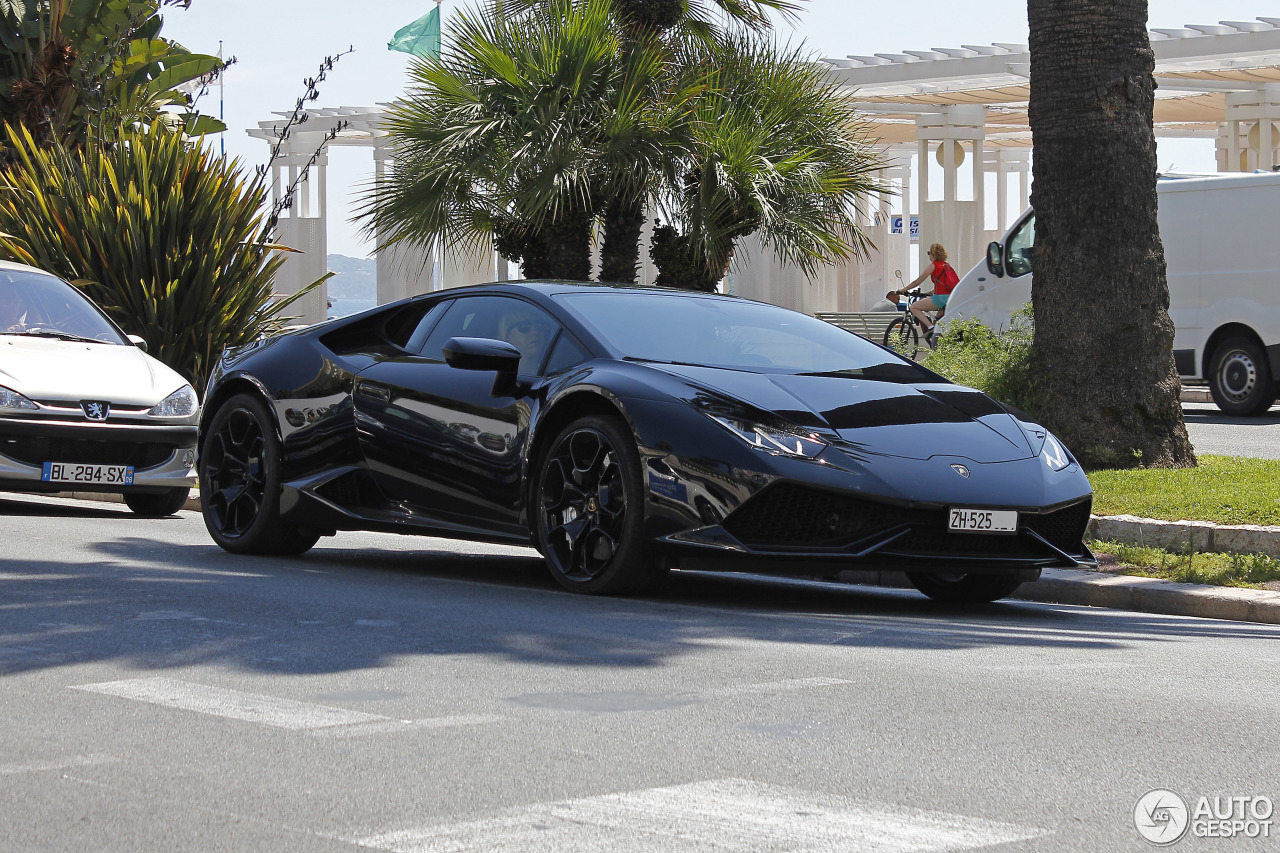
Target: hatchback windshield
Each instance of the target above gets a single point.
(41, 305)
(734, 333)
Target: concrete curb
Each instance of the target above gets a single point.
(1152, 595)
(1201, 536)
(1121, 592)
(1198, 394)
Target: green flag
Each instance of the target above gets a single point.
(421, 38)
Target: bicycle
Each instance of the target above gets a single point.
(904, 333)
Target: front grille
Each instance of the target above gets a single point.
(38, 449)
(1063, 528)
(787, 515)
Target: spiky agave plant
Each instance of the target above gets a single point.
(167, 237)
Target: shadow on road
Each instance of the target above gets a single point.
(158, 605)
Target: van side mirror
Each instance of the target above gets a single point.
(138, 342)
(995, 259)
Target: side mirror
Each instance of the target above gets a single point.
(995, 259)
(486, 354)
(138, 342)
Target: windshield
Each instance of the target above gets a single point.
(42, 305)
(686, 328)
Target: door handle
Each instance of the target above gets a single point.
(374, 391)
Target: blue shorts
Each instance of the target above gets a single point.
(940, 300)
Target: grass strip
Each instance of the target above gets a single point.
(1222, 489)
(1253, 571)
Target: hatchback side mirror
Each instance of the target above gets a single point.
(138, 342)
(486, 354)
(995, 259)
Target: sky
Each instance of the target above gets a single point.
(279, 43)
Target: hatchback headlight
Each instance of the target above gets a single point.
(180, 404)
(10, 399)
(771, 439)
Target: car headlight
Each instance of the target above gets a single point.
(10, 399)
(180, 404)
(772, 439)
(1054, 454)
(1045, 445)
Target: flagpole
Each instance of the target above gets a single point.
(222, 97)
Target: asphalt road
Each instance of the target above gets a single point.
(1213, 432)
(409, 694)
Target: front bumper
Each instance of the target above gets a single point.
(162, 455)
(790, 522)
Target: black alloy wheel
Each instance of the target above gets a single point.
(590, 511)
(157, 504)
(1240, 378)
(240, 483)
(903, 337)
(963, 588)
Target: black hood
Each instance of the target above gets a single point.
(913, 421)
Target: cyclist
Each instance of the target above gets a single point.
(944, 281)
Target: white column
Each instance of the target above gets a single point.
(307, 236)
(405, 269)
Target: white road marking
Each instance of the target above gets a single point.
(728, 815)
(319, 720)
(220, 702)
(56, 764)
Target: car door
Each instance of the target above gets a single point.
(436, 438)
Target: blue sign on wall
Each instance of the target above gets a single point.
(895, 227)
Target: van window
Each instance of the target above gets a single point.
(1021, 248)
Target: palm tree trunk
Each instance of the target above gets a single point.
(620, 252)
(1103, 351)
(568, 241)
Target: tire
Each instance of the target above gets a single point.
(240, 483)
(903, 337)
(961, 588)
(1240, 378)
(589, 511)
(159, 504)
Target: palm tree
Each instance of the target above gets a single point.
(670, 27)
(777, 151)
(1107, 382)
(515, 131)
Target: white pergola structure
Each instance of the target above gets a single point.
(964, 107)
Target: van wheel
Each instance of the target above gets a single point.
(1239, 378)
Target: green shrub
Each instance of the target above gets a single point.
(169, 238)
(995, 362)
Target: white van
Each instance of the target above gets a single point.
(1222, 250)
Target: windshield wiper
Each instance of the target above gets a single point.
(59, 334)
